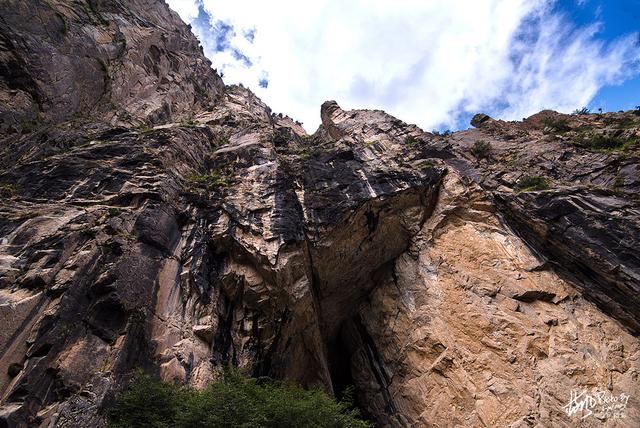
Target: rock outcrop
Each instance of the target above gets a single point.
(153, 217)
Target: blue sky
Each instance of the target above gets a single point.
(430, 62)
(617, 18)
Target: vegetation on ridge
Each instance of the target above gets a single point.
(556, 124)
(581, 111)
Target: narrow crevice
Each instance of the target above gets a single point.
(339, 360)
(222, 341)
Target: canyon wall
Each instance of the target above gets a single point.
(153, 217)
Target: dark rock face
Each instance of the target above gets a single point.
(591, 237)
(119, 61)
(417, 267)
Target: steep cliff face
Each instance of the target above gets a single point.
(94, 63)
(153, 217)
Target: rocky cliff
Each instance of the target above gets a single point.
(153, 217)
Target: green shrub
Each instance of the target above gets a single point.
(212, 179)
(28, 126)
(559, 124)
(621, 122)
(145, 128)
(606, 143)
(629, 123)
(582, 110)
(411, 141)
(234, 401)
(8, 190)
(530, 183)
(189, 123)
(427, 165)
(305, 152)
(481, 149)
(14, 369)
(147, 403)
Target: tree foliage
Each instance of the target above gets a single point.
(234, 401)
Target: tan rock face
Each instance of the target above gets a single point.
(418, 268)
(455, 346)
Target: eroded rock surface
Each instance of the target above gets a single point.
(176, 224)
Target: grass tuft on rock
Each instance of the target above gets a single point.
(234, 401)
(531, 183)
(481, 149)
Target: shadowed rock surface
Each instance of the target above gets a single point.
(153, 217)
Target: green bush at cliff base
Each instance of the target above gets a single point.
(234, 401)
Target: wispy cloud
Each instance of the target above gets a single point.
(430, 62)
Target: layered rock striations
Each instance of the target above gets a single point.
(153, 217)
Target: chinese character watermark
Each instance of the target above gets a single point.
(598, 403)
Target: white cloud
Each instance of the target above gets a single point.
(187, 9)
(426, 62)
